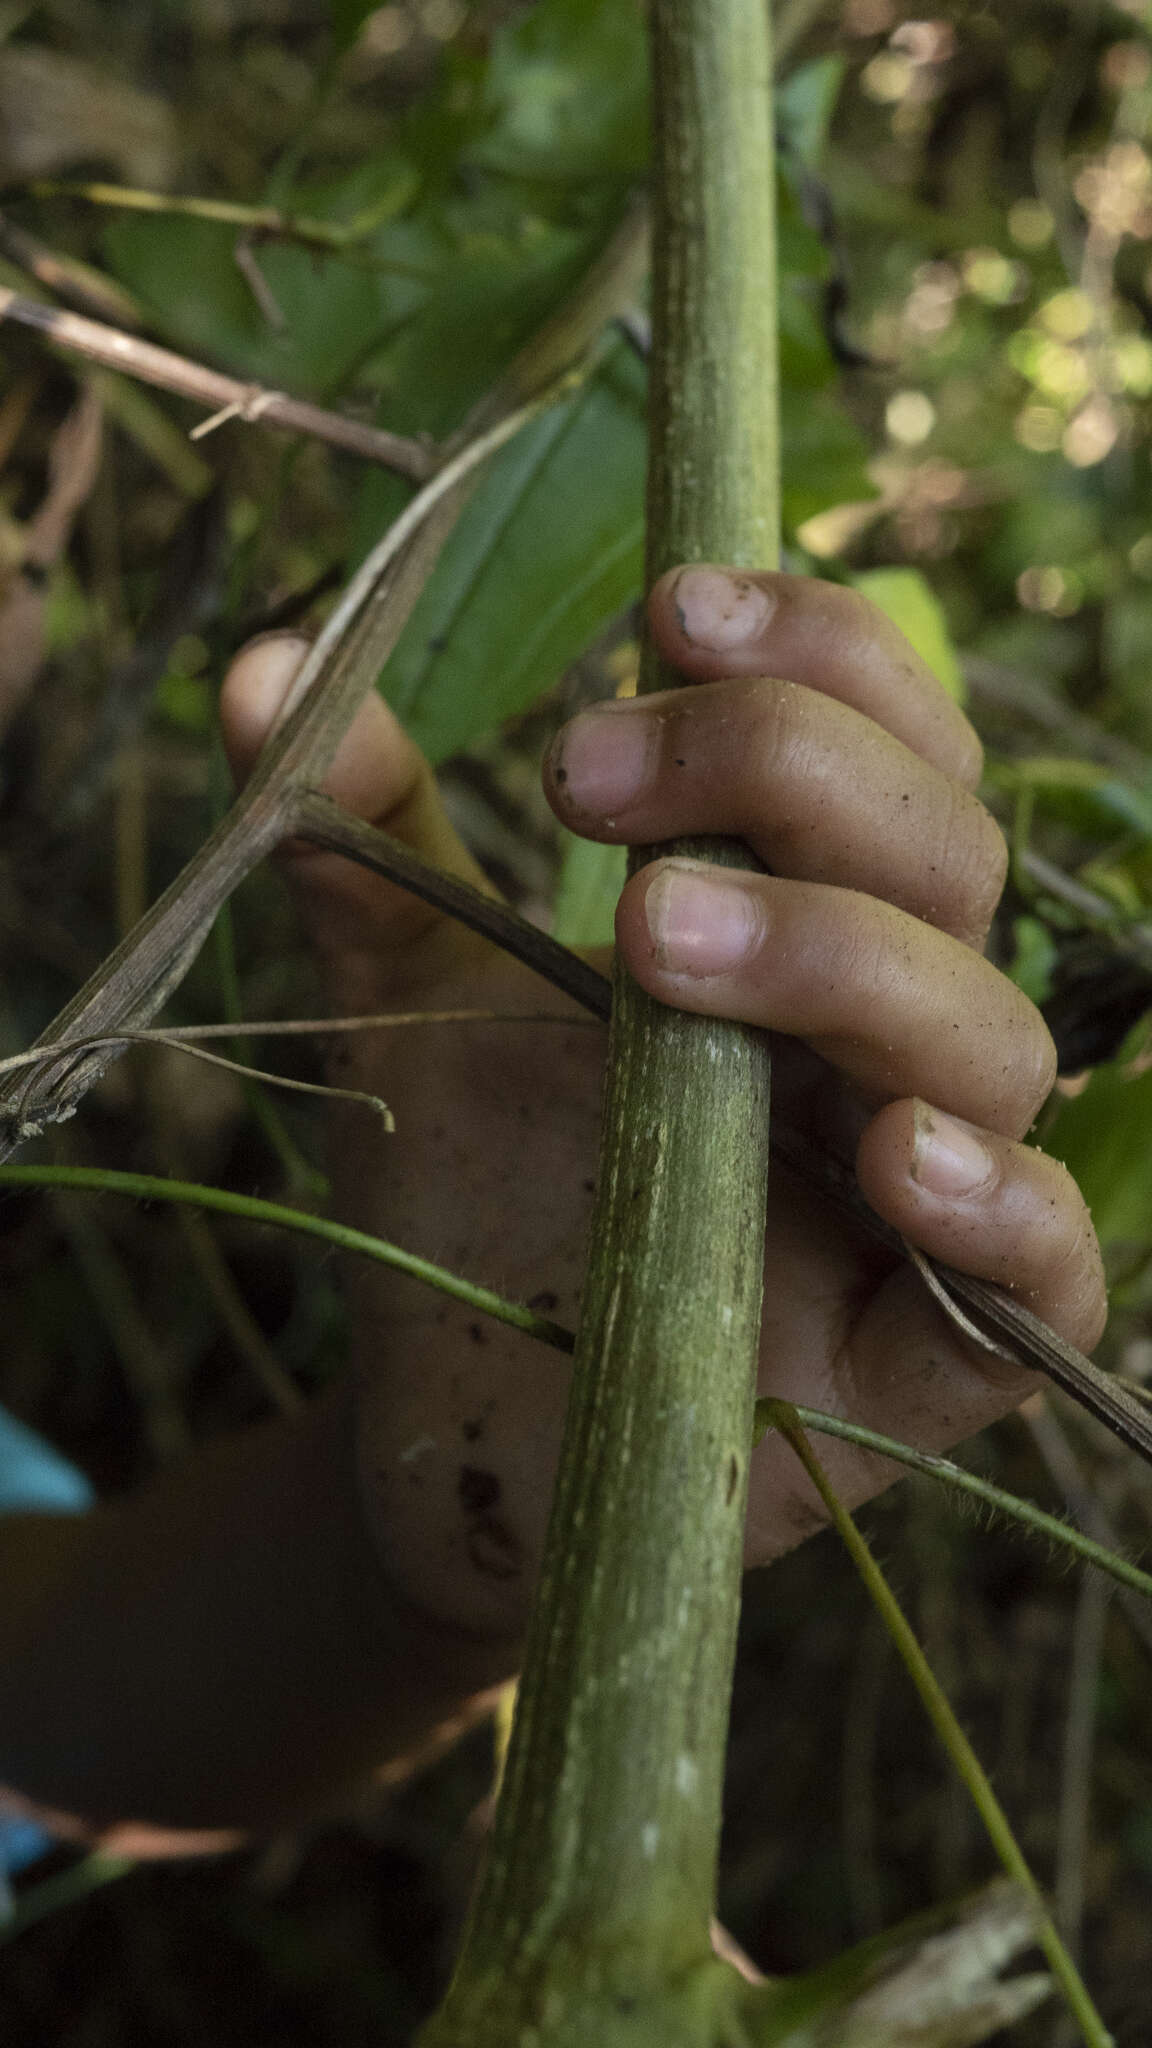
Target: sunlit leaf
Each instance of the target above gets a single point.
(591, 878)
(912, 605)
(1104, 1136)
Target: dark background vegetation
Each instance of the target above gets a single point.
(967, 344)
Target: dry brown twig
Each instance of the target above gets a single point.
(227, 398)
(72, 283)
(282, 798)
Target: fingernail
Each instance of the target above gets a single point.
(719, 611)
(700, 922)
(267, 671)
(947, 1158)
(605, 757)
(292, 637)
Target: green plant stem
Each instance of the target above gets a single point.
(65, 1889)
(150, 1187)
(1095, 2034)
(928, 1463)
(591, 1921)
(332, 238)
(1050, 1527)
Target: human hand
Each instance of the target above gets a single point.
(850, 774)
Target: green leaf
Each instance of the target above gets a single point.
(1033, 959)
(805, 359)
(567, 88)
(1082, 794)
(913, 606)
(824, 456)
(805, 104)
(1103, 1137)
(496, 290)
(549, 550)
(185, 275)
(591, 878)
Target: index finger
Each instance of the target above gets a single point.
(712, 623)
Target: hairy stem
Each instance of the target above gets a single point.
(1093, 2031)
(151, 1187)
(930, 1465)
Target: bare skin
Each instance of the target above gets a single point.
(850, 774)
(818, 737)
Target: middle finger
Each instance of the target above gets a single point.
(819, 791)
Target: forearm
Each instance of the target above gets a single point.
(221, 1652)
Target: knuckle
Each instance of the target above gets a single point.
(1068, 1258)
(1033, 1069)
(970, 765)
(1067, 1226)
(1093, 1313)
(768, 742)
(977, 856)
(780, 715)
(860, 615)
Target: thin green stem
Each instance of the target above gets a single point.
(149, 1187)
(52, 1894)
(1035, 1519)
(785, 1418)
(332, 238)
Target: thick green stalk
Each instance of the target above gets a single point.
(591, 1919)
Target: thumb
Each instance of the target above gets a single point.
(376, 942)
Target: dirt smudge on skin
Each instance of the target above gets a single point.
(492, 1547)
(479, 1491)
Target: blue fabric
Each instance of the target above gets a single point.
(33, 1477)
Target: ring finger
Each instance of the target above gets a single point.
(896, 1006)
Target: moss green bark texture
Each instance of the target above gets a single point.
(591, 1919)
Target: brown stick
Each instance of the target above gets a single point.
(141, 973)
(74, 284)
(341, 668)
(323, 823)
(281, 800)
(228, 397)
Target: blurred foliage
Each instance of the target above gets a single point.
(966, 345)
